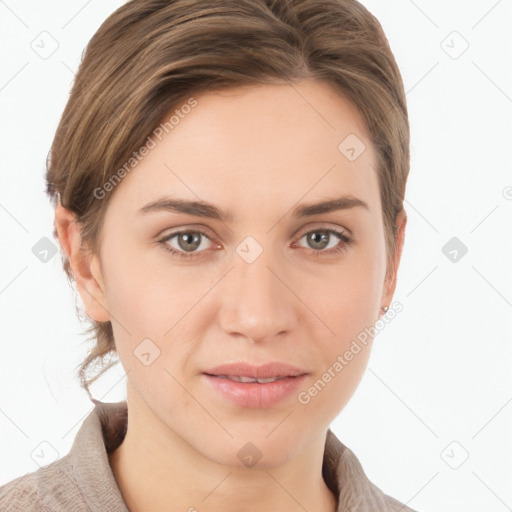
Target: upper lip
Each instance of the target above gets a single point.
(266, 371)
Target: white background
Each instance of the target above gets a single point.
(440, 372)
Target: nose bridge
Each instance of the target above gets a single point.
(256, 303)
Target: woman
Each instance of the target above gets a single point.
(228, 180)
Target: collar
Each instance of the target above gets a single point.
(104, 429)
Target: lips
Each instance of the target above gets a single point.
(241, 372)
(246, 380)
(252, 386)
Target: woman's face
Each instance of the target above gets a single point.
(263, 284)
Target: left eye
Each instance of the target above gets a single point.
(190, 243)
(319, 237)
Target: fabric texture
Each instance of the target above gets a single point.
(83, 481)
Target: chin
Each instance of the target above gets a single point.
(253, 451)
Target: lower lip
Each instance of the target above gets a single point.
(253, 394)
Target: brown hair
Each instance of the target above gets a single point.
(150, 55)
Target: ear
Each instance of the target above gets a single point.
(84, 265)
(391, 274)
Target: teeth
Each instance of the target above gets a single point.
(271, 379)
(243, 379)
(249, 379)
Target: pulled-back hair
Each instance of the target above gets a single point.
(150, 56)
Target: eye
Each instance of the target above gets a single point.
(188, 242)
(191, 243)
(320, 239)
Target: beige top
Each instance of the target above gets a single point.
(83, 480)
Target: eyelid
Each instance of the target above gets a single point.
(343, 234)
(207, 231)
(185, 228)
(320, 226)
(164, 243)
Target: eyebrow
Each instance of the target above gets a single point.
(208, 210)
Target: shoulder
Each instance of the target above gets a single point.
(374, 498)
(394, 505)
(48, 489)
(80, 481)
(346, 476)
(20, 494)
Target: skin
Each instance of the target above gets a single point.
(258, 152)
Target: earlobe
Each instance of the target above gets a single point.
(83, 264)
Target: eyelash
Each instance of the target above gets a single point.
(345, 242)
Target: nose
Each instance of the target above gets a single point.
(257, 301)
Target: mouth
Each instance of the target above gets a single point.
(241, 370)
(246, 380)
(254, 386)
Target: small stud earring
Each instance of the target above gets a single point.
(384, 310)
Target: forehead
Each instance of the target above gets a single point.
(254, 145)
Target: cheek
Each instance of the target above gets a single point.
(351, 294)
(155, 306)
(147, 294)
(349, 307)
(343, 357)
(341, 378)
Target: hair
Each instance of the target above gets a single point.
(149, 56)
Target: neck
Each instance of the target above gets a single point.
(156, 469)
